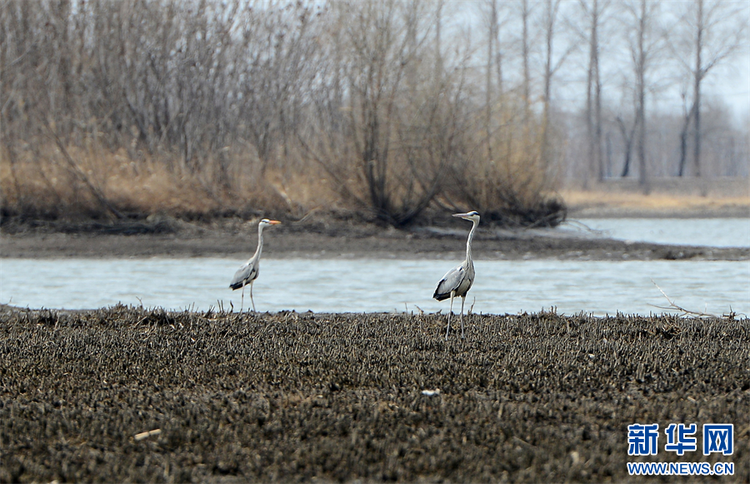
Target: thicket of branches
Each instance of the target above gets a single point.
(197, 108)
(113, 108)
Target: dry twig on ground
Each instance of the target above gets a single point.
(687, 312)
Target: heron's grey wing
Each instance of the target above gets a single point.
(450, 282)
(248, 272)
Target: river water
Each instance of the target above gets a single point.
(712, 232)
(345, 285)
(367, 285)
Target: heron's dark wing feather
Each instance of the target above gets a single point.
(450, 282)
(245, 274)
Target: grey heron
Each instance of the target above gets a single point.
(248, 272)
(458, 280)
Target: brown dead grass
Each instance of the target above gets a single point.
(667, 197)
(45, 184)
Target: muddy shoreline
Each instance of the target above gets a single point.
(127, 394)
(166, 237)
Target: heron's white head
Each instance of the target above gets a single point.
(472, 216)
(265, 222)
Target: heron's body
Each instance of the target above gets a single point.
(249, 271)
(458, 281)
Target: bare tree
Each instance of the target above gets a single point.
(492, 18)
(595, 15)
(525, 57)
(438, 38)
(277, 47)
(388, 122)
(645, 42)
(550, 26)
(709, 33)
(492, 47)
(627, 135)
(687, 116)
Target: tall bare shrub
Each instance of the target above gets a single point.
(388, 121)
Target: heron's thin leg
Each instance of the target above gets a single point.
(453, 294)
(463, 300)
(242, 304)
(251, 295)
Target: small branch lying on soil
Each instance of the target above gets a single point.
(145, 435)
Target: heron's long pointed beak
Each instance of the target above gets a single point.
(461, 215)
(274, 222)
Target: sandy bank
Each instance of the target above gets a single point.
(166, 237)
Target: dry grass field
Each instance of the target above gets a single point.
(670, 197)
(136, 395)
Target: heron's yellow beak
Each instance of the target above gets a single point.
(274, 222)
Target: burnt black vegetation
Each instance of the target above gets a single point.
(343, 397)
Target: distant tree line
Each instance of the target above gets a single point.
(665, 49)
(388, 108)
(637, 69)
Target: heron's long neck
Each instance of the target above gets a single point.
(260, 242)
(468, 241)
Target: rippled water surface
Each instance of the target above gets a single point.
(337, 285)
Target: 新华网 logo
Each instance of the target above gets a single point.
(643, 440)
